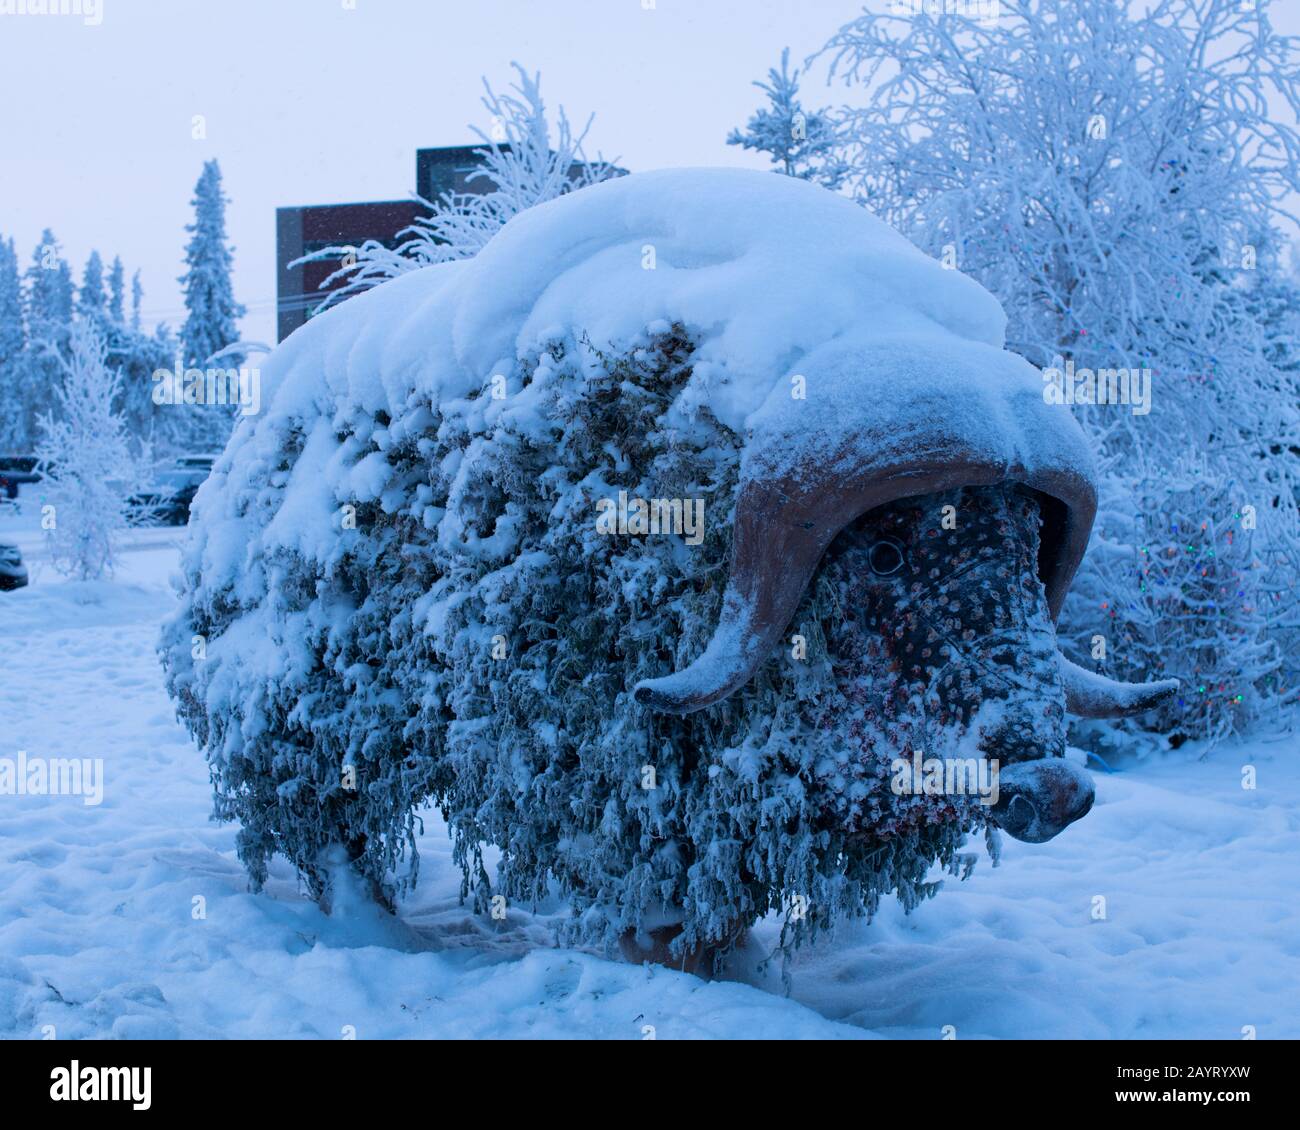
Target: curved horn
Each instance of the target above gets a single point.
(1090, 695)
(782, 528)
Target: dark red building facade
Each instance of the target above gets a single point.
(303, 230)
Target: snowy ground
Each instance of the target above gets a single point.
(99, 935)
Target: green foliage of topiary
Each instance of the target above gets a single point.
(473, 643)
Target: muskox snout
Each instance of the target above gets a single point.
(1039, 799)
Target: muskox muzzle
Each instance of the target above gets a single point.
(1039, 799)
(952, 627)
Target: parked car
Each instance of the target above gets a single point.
(167, 502)
(15, 470)
(13, 573)
(196, 462)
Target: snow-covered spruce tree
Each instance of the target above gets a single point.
(92, 302)
(799, 143)
(117, 292)
(167, 428)
(49, 289)
(88, 460)
(48, 297)
(212, 312)
(13, 340)
(136, 355)
(523, 163)
(1115, 178)
(137, 296)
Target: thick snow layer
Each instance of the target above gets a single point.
(760, 269)
(99, 935)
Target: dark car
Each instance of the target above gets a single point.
(167, 502)
(196, 462)
(15, 470)
(13, 573)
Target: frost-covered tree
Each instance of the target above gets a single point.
(11, 301)
(91, 300)
(522, 160)
(1116, 177)
(117, 292)
(136, 356)
(799, 143)
(87, 458)
(137, 296)
(209, 297)
(13, 341)
(1180, 538)
(48, 304)
(49, 287)
(1272, 299)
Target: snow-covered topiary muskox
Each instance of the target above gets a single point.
(668, 546)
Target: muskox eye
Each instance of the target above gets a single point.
(885, 557)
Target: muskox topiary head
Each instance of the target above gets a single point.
(663, 547)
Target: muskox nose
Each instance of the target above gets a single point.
(1038, 799)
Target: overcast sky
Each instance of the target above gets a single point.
(308, 102)
(321, 101)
